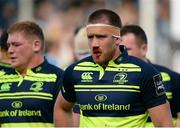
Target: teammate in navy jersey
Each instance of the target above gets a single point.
(28, 95)
(112, 88)
(135, 40)
(5, 67)
(4, 59)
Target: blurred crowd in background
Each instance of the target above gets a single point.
(61, 19)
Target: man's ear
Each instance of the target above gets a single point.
(36, 46)
(118, 40)
(144, 49)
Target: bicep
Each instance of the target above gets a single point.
(161, 115)
(62, 103)
(63, 112)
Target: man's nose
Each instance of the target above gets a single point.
(10, 49)
(95, 42)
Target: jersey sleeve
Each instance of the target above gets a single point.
(153, 91)
(76, 108)
(176, 90)
(58, 85)
(67, 89)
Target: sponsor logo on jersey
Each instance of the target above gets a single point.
(100, 97)
(159, 84)
(120, 78)
(20, 113)
(5, 87)
(16, 104)
(103, 106)
(86, 77)
(37, 86)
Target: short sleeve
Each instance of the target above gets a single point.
(153, 91)
(58, 85)
(176, 91)
(67, 89)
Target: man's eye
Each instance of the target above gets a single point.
(90, 37)
(101, 36)
(16, 45)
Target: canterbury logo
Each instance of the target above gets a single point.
(87, 76)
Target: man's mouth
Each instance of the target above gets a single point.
(97, 53)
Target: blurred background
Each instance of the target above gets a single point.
(61, 19)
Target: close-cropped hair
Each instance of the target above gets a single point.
(3, 41)
(99, 15)
(29, 28)
(135, 30)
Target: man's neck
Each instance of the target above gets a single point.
(33, 63)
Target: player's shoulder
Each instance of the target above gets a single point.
(165, 69)
(6, 69)
(85, 62)
(48, 68)
(145, 67)
(161, 68)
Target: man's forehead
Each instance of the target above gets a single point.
(103, 29)
(96, 30)
(15, 36)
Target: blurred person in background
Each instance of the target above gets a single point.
(51, 52)
(81, 47)
(135, 40)
(164, 33)
(27, 97)
(112, 88)
(128, 10)
(5, 67)
(8, 13)
(4, 59)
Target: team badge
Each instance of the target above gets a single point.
(37, 86)
(120, 78)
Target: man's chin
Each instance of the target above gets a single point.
(98, 61)
(14, 65)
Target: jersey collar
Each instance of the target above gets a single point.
(122, 56)
(40, 67)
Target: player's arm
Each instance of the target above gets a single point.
(155, 99)
(161, 115)
(63, 112)
(76, 119)
(76, 115)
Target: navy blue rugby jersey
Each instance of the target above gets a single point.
(176, 92)
(116, 96)
(5, 69)
(29, 101)
(171, 81)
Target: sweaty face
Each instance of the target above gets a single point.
(20, 50)
(102, 45)
(133, 47)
